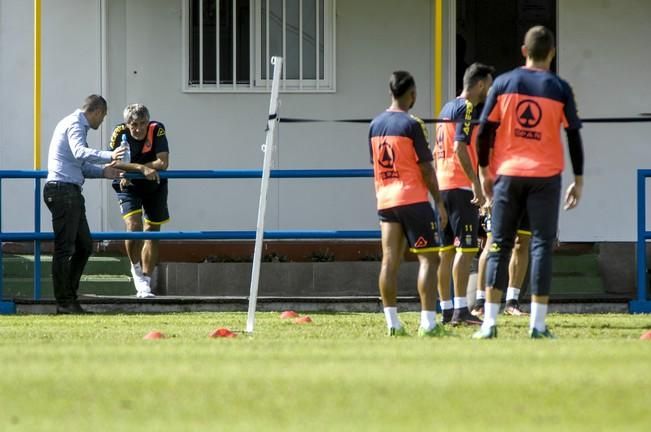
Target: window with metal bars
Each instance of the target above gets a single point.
(230, 42)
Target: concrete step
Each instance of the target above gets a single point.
(17, 287)
(23, 265)
(580, 284)
(174, 304)
(575, 264)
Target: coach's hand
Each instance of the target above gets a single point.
(109, 171)
(573, 194)
(443, 215)
(150, 174)
(118, 153)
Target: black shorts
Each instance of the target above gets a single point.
(523, 228)
(419, 223)
(152, 200)
(463, 221)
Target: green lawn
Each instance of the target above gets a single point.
(340, 373)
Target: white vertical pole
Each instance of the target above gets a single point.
(300, 44)
(318, 42)
(267, 55)
(103, 80)
(252, 51)
(266, 170)
(234, 44)
(200, 43)
(217, 43)
(284, 42)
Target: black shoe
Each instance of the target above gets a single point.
(478, 308)
(513, 308)
(447, 316)
(73, 308)
(463, 316)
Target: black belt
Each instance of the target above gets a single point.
(63, 185)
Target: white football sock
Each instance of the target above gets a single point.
(446, 304)
(391, 315)
(490, 315)
(512, 293)
(538, 314)
(427, 320)
(460, 302)
(136, 269)
(481, 295)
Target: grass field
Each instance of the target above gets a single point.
(96, 373)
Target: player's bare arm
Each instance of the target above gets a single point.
(485, 140)
(429, 177)
(148, 170)
(573, 193)
(461, 150)
(161, 163)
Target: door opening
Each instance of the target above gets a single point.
(492, 32)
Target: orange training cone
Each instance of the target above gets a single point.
(154, 335)
(288, 314)
(222, 332)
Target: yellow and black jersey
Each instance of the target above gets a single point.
(142, 151)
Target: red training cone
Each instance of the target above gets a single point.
(288, 314)
(222, 332)
(154, 335)
(303, 320)
(646, 335)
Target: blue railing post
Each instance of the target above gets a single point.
(2, 270)
(6, 307)
(37, 236)
(641, 304)
(37, 243)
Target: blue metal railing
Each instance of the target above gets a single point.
(37, 236)
(642, 304)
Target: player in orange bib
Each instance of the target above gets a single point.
(524, 113)
(456, 172)
(517, 265)
(404, 179)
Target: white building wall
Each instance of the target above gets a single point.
(608, 71)
(226, 130)
(70, 70)
(604, 54)
(16, 112)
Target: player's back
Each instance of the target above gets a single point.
(398, 144)
(530, 106)
(449, 172)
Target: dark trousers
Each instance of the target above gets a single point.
(72, 242)
(540, 198)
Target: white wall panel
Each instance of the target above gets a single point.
(604, 54)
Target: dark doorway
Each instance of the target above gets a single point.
(492, 31)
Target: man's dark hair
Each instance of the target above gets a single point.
(539, 41)
(94, 103)
(400, 83)
(476, 72)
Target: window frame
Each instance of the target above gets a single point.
(256, 84)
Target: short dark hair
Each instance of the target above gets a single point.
(94, 103)
(539, 42)
(476, 72)
(400, 83)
